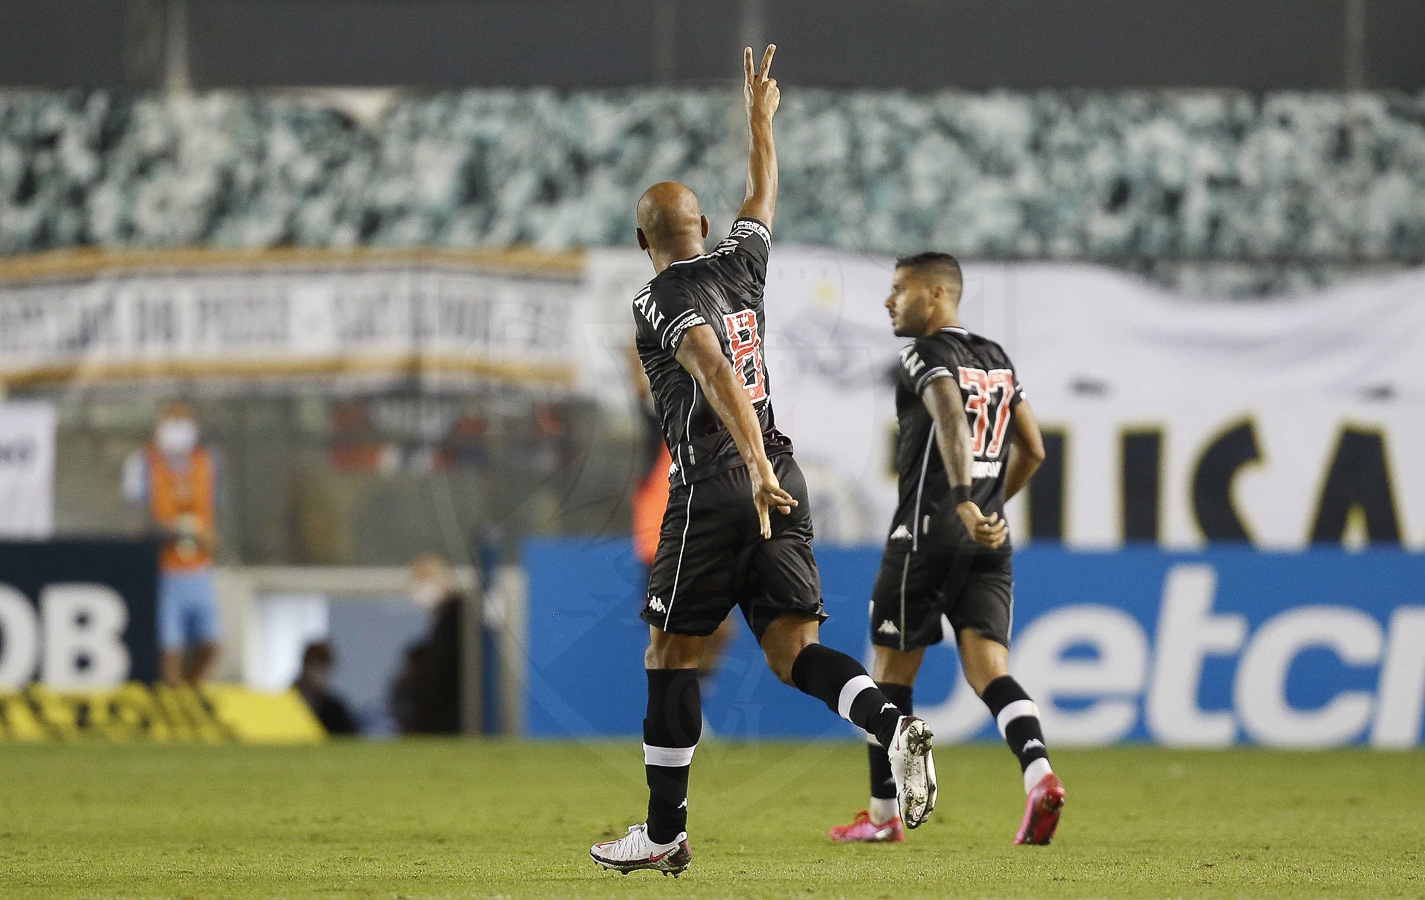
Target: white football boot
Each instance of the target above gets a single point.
(914, 770)
(636, 851)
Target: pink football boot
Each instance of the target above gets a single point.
(1041, 811)
(863, 830)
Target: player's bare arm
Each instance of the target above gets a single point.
(1026, 450)
(952, 435)
(701, 355)
(762, 96)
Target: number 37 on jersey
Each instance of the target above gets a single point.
(980, 388)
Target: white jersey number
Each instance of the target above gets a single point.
(746, 346)
(980, 386)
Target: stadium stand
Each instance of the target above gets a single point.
(1277, 191)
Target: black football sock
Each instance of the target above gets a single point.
(883, 783)
(671, 729)
(843, 685)
(1018, 719)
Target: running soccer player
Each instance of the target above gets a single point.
(700, 324)
(948, 552)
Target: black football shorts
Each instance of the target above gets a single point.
(914, 588)
(711, 556)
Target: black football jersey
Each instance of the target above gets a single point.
(722, 289)
(925, 519)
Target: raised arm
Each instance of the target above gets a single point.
(952, 436)
(1026, 450)
(762, 98)
(701, 354)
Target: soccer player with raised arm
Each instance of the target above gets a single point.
(738, 530)
(968, 441)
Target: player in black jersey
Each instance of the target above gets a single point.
(700, 325)
(968, 441)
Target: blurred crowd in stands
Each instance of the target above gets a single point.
(1331, 179)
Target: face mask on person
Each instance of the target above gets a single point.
(176, 437)
(426, 594)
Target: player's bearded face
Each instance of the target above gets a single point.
(908, 305)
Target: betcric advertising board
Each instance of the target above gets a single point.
(1314, 649)
(1319, 648)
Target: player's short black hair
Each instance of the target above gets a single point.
(936, 263)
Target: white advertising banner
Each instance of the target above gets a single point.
(1169, 420)
(1283, 422)
(285, 315)
(27, 434)
(1173, 420)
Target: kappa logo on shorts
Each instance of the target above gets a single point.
(901, 533)
(656, 604)
(888, 627)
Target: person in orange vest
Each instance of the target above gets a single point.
(174, 479)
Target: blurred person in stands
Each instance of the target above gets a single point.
(403, 698)
(175, 481)
(426, 696)
(314, 684)
(650, 503)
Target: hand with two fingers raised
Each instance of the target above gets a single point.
(759, 89)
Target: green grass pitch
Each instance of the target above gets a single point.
(493, 819)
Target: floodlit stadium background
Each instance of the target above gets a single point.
(386, 252)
